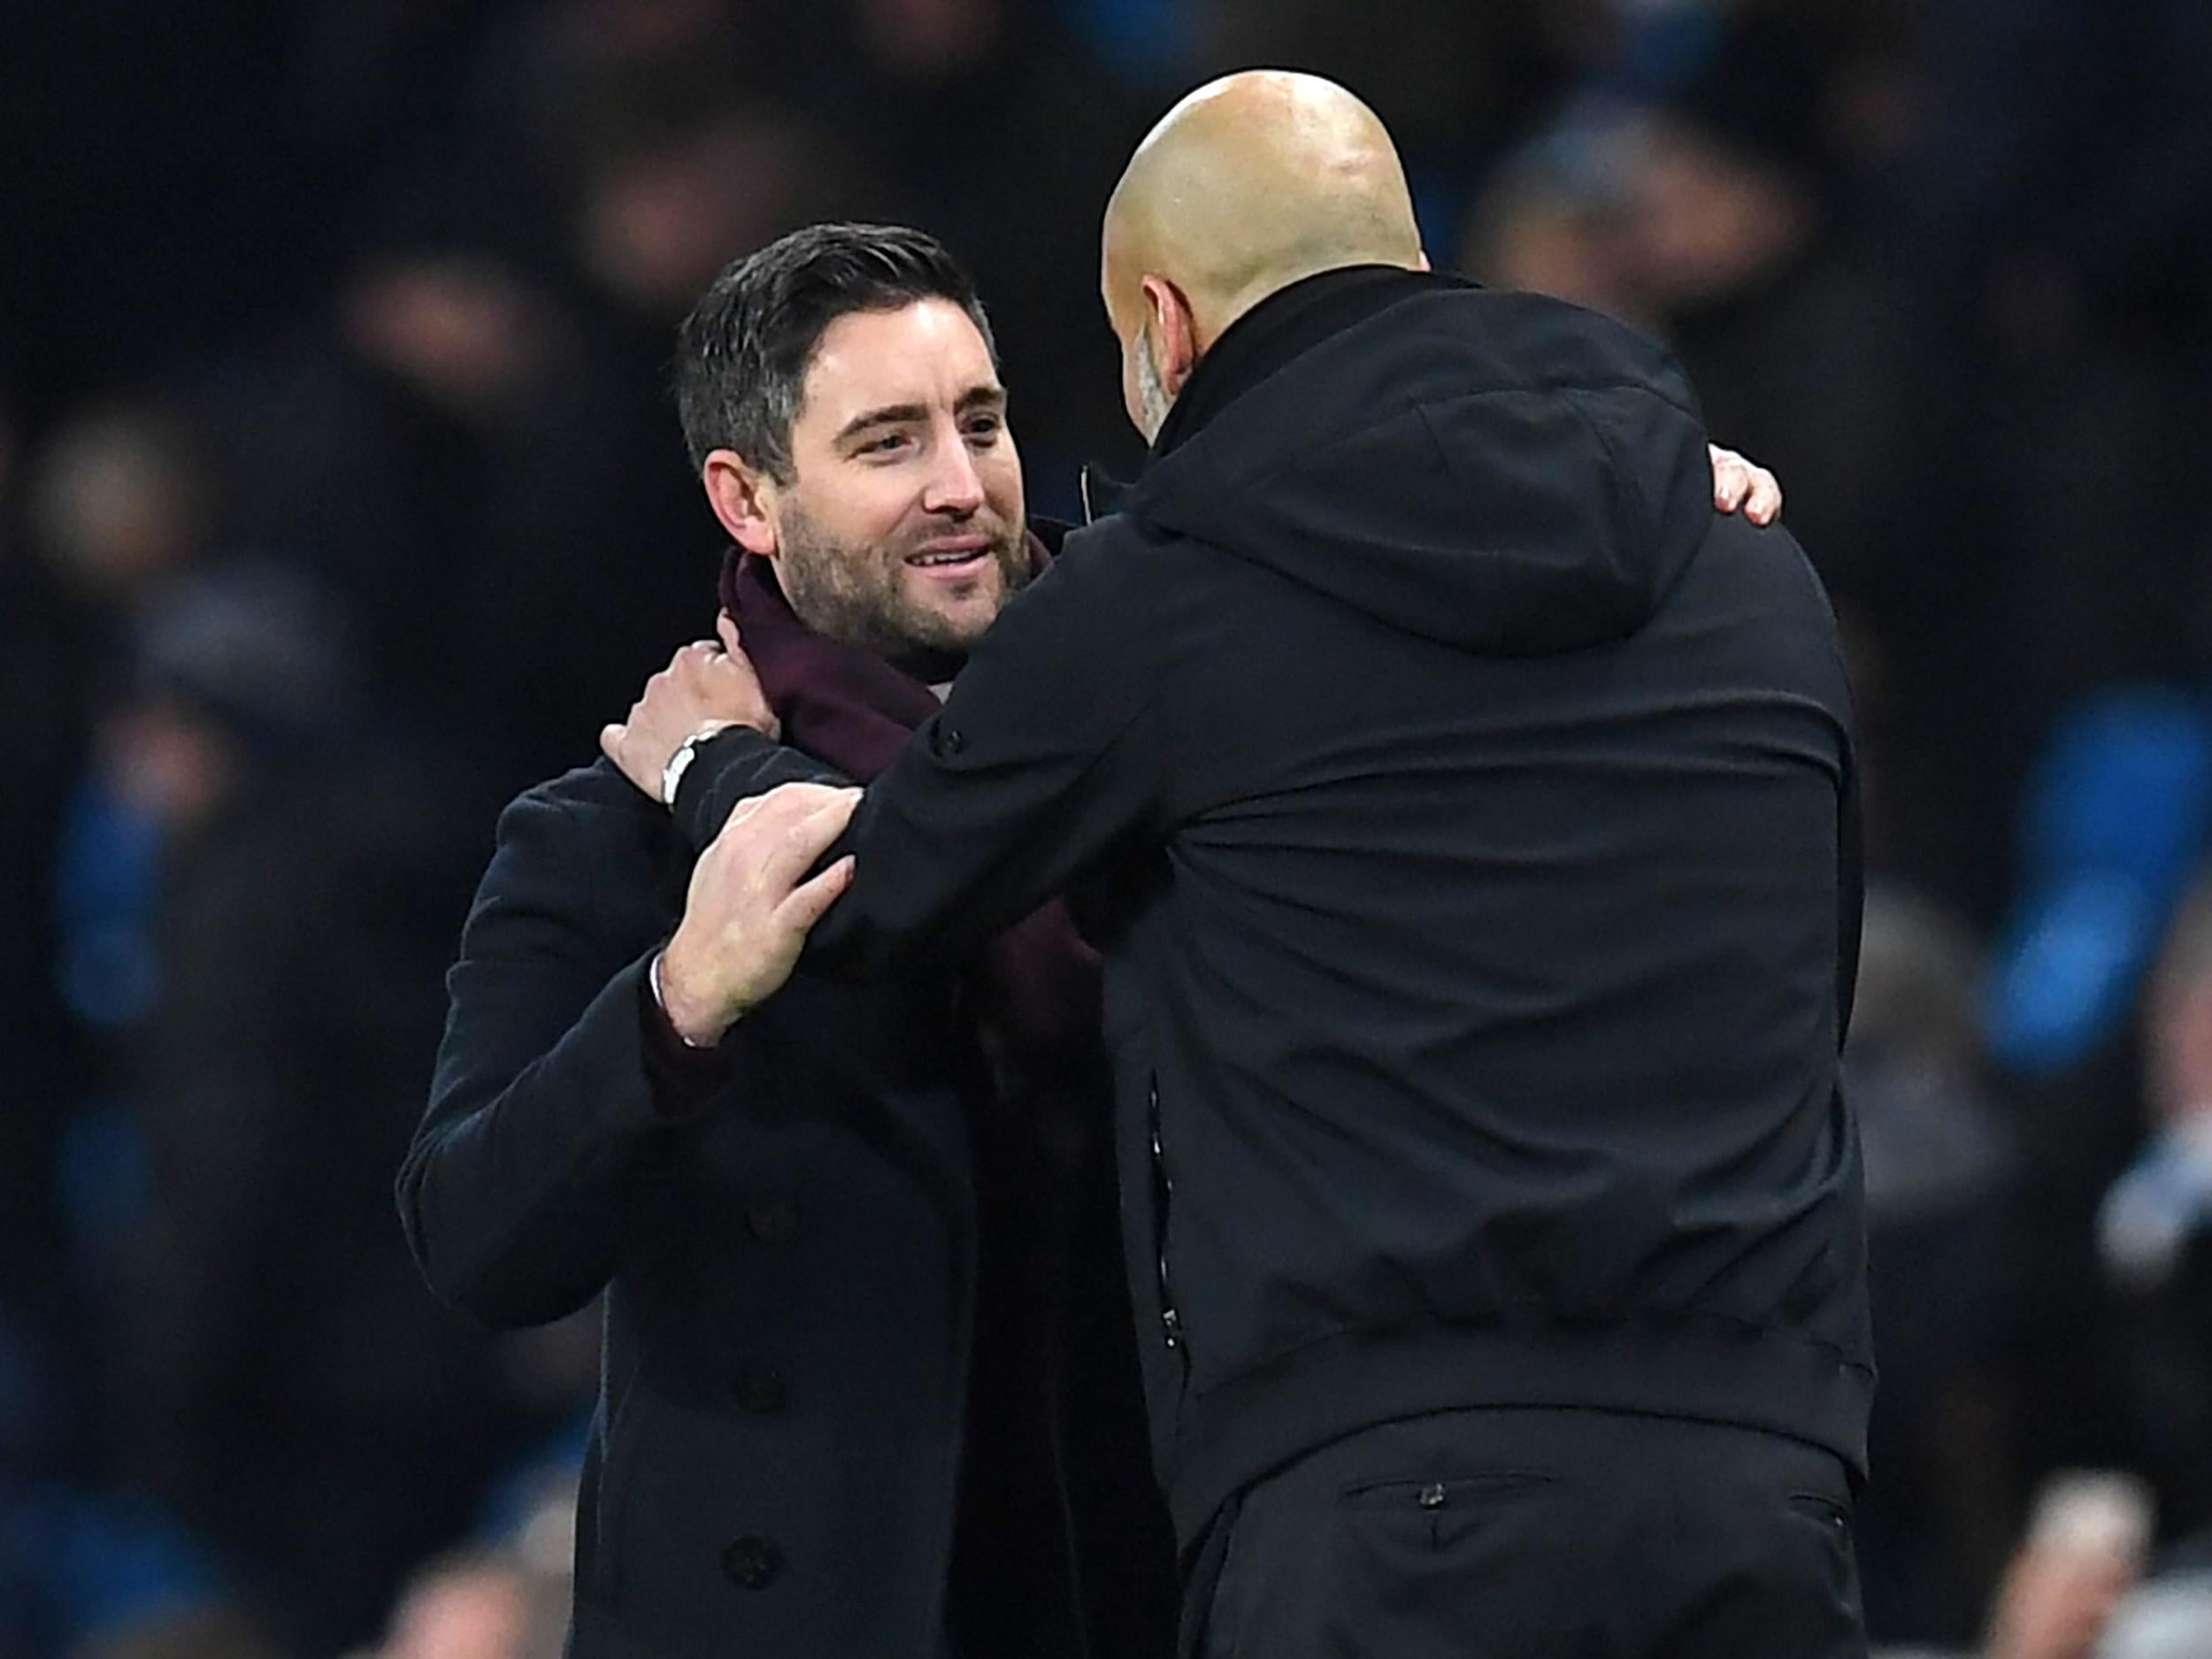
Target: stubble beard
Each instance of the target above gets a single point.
(857, 593)
(1153, 402)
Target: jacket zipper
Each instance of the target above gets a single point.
(1163, 1193)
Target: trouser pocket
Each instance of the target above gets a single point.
(1436, 1560)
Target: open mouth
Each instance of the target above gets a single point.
(950, 561)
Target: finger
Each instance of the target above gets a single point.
(754, 822)
(785, 804)
(840, 804)
(1731, 481)
(791, 850)
(610, 736)
(726, 630)
(797, 799)
(1765, 504)
(811, 899)
(811, 833)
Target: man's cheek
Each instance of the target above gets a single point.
(1004, 496)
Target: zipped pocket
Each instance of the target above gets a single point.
(1162, 1195)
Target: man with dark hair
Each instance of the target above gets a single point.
(748, 353)
(1465, 815)
(742, 354)
(859, 1397)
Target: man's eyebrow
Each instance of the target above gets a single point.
(889, 415)
(899, 414)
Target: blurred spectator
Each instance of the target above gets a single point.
(2072, 136)
(2154, 1228)
(417, 450)
(2117, 811)
(44, 665)
(2053, 208)
(2167, 1619)
(119, 500)
(477, 1606)
(1452, 81)
(662, 211)
(2085, 1551)
(676, 147)
(972, 135)
(1795, 331)
(43, 670)
(1934, 1528)
(197, 1632)
(286, 1386)
(461, 331)
(2075, 1585)
(2111, 827)
(509, 1601)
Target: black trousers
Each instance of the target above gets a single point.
(1534, 1534)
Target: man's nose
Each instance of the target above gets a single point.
(954, 486)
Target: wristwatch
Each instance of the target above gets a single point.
(679, 763)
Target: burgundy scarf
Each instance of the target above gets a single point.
(1036, 985)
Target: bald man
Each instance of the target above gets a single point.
(1464, 810)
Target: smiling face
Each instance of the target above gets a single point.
(901, 523)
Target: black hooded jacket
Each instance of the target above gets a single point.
(1464, 810)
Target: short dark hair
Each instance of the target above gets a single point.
(744, 351)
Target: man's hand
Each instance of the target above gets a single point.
(705, 688)
(749, 912)
(1739, 483)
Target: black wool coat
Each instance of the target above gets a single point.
(808, 1440)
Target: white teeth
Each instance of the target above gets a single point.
(943, 559)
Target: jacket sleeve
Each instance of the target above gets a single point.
(549, 1088)
(1042, 759)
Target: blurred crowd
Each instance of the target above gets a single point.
(340, 497)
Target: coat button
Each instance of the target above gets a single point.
(949, 742)
(753, 1562)
(763, 1389)
(772, 1220)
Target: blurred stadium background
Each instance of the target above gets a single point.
(340, 497)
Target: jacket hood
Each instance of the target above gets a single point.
(1503, 473)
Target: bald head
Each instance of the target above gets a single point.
(1246, 186)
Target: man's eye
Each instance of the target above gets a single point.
(986, 429)
(884, 445)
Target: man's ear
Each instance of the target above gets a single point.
(1176, 328)
(738, 493)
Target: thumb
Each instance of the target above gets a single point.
(610, 736)
(725, 629)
